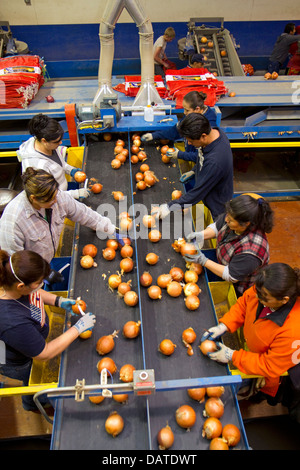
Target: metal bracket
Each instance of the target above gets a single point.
(79, 390)
(143, 382)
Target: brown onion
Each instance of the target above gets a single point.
(154, 292)
(107, 363)
(120, 397)
(135, 149)
(126, 373)
(188, 249)
(118, 195)
(231, 434)
(165, 158)
(141, 185)
(139, 176)
(96, 188)
(137, 141)
(215, 391)
(107, 136)
(114, 281)
(108, 253)
(96, 399)
(106, 344)
(134, 159)
(124, 287)
(190, 276)
(114, 424)
(174, 289)
(154, 236)
(80, 176)
(197, 394)
(126, 251)
(195, 267)
(192, 302)
(218, 444)
(121, 157)
(178, 244)
(176, 194)
(125, 152)
(185, 416)
(149, 221)
(214, 407)
(212, 428)
(120, 142)
(125, 224)
(86, 262)
(112, 243)
(131, 298)
(131, 329)
(177, 274)
(207, 346)
(86, 334)
(90, 250)
(167, 347)
(163, 280)
(191, 289)
(79, 303)
(115, 163)
(164, 149)
(188, 335)
(146, 279)
(152, 258)
(165, 438)
(118, 149)
(142, 155)
(150, 178)
(144, 167)
(126, 265)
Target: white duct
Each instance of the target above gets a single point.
(147, 93)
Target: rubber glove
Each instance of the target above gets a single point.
(84, 192)
(223, 354)
(161, 212)
(198, 258)
(214, 332)
(197, 237)
(172, 154)
(147, 137)
(86, 322)
(187, 176)
(66, 304)
(72, 172)
(105, 225)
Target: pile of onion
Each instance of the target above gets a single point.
(185, 416)
(165, 438)
(126, 373)
(106, 344)
(131, 329)
(107, 363)
(167, 347)
(114, 424)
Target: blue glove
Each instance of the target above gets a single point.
(198, 258)
(72, 172)
(187, 176)
(119, 238)
(66, 304)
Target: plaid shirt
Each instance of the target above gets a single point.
(229, 244)
(23, 228)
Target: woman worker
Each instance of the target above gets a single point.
(269, 312)
(34, 219)
(24, 324)
(242, 245)
(44, 151)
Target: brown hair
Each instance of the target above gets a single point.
(40, 184)
(27, 265)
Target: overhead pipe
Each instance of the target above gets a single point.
(147, 93)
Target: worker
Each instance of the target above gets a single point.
(197, 61)
(269, 313)
(44, 151)
(213, 170)
(161, 61)
(24, 324)
(242, 245)
(34, 219)
(281, 47)
(293, 66)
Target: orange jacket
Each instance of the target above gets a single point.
(273, 347)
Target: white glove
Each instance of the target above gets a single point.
(197, 237)
(147, 137)
(79, 193)
(161, 212)
(214, 332)
(172, 154)
(223, 354)
(105, 225)
(86, 322)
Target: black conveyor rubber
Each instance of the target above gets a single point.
(81, 425)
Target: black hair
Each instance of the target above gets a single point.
(44, 127)
(28, 265)
(289, 27)
(193, 126)
(245, 208)
(280, 280)
(195, 99)
(40, 184)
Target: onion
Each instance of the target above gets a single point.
(154, 292)
(231, 434)
(125, 152)
(144, 167)
(120, 142)
(195, 267)
(176, 194)
(136, 135)
(114, 281)
(212, 428)
(185, 416)
(165, 438)
(215, 391)
(96, 188)
(80, 176)
(96, 399)
(178, 244)
(152, 258)
(218, 444)
(121, 397)
(134, 159)
(191, 288)
(177, 274)
(81, 303)
(165, 158)
(112, 243)
(126, 265)
(131, 329)
(146, 279)
(137, 141)
(124, 215)
(214, 407)
(125, 224)
(192, 302)
(86, 262)
(141, 185)
(164, 149)
(191, 276)
(126, 251)
(163, 280)
(167, 347)
(174, 289)
(131, 298)
(115, 164)
(108, 253)
(90, 250)
(118, 149)
(188, 249)
(142, 155)
(86, 334)
(164, 141)
(114, 424)
(124, 287)
(188, 335)
(107, 136)
(207, 346)
(139, 176)
(135, 149)
(107, 363)
(126, 241)
(150, 178)
(105, 344)
(121, 157)
(149, 221)
(126, 373)
(118, 195)
(154, 236)
(197, 394)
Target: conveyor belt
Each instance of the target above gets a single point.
(81, 425)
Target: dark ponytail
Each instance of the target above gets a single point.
(44, 127)
(280, 280)
(257, 211)
(40, 184)
(195, 99)
(27, 265)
